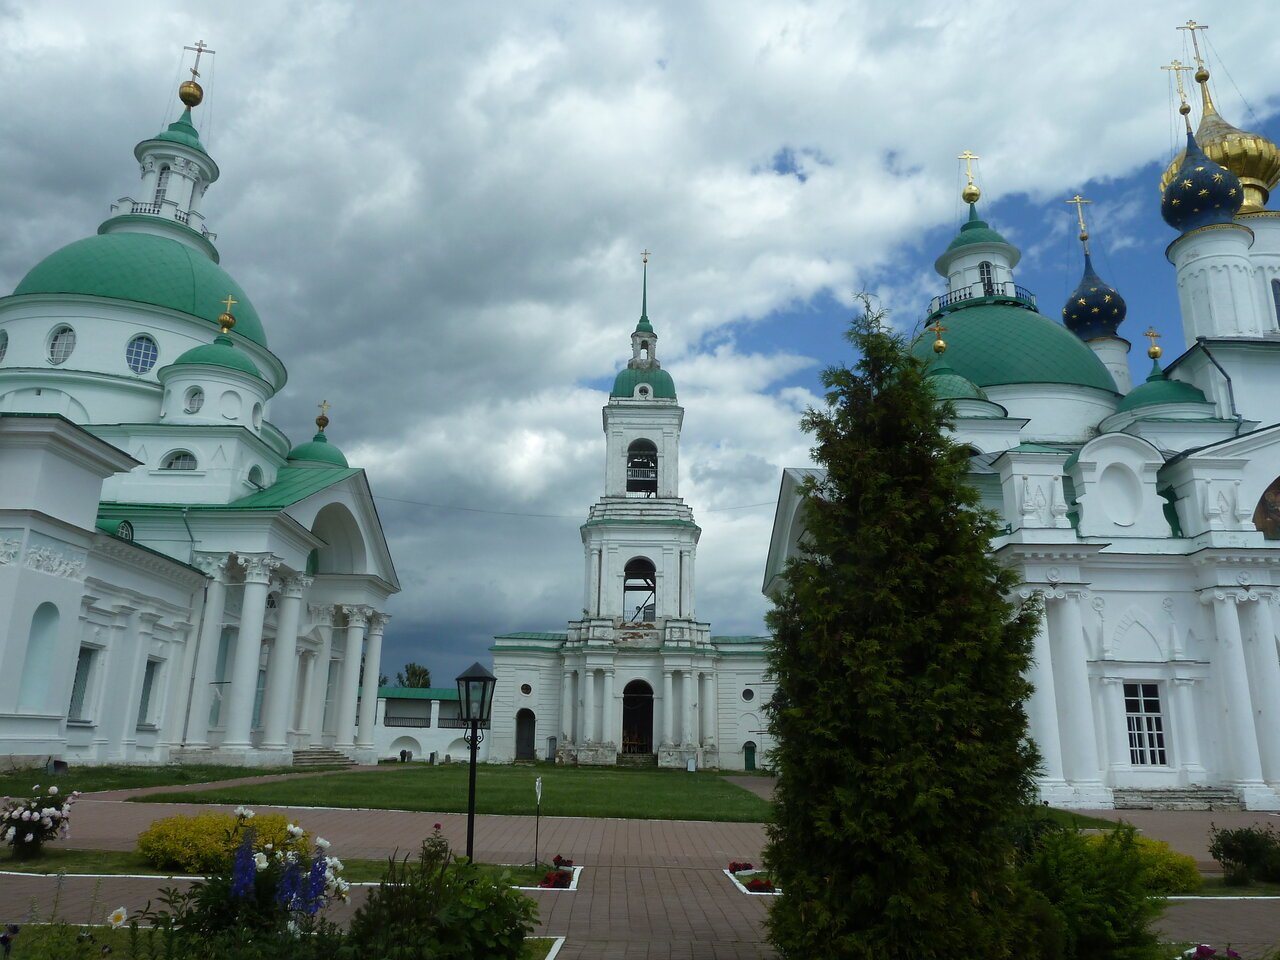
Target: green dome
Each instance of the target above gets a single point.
(318, 451)
(975, 231)
(659, 381)
(1160, 389)
(220, 353)
(946, 384)
(183, 131)
(145, 269)
(996, 343)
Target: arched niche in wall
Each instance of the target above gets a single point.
(344, 547)
(1266, 516)
(37, 666)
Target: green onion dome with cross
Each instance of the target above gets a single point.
(318, 451)
(643, 377)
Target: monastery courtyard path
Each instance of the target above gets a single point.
(651, 889)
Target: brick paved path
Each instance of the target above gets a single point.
(652, 890)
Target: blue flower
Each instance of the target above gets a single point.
(243, 870)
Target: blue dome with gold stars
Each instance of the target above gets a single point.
(1095, 309)
(1201, 192)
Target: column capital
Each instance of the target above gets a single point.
(1224, 595)
(293, 587)
(1113, 680)
(378, 622)
(258, 567)
(213, 565)
(357, 614)
(1184, 681)
(321, 613)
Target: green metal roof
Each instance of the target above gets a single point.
(994, 343)
(145, 269)
(418, 693)
(183, 131)
(318, 450)
(220, 353)
(532, 636)
(659, 381)
(292, 485)
(946, 384)
(975, 230)
(1160, 389)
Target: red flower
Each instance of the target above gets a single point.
(759, 885)
(437, 826)
(736, 867)
(557, 880)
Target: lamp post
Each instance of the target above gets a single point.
(475, 701)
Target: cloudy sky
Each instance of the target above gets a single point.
(438, 210)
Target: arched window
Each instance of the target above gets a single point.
(642, 469)
(4, 343)
(141, 353)
(255, 476)
(179, 460)
(639, 590)
(644, 350)
(162, 184)
(61, 342)
(37, 666)
(987, 278)
(1275, 298)
(194, 400)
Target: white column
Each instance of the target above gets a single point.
(372, 668)
(322, 617)
(687, 691)
(607, 710)
(303, 684)
(1265, 671)
(1117, 732)
(345, 728)
(1042, 707)
(435, 715)
(215, 567)
(1237, 704)
(1186, 730)
(710, 713)
(248, 653)
(282, 666)
(668, 708)
(589, 706)
(566, 707)
(1075, 699)
(593, 582)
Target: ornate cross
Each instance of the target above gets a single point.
(202, 47)
(644, 255)
(229, 302)
(1191, 27)
(938, 329)
(1178, 68)
(968, 157)
(324, 407)
(1154, 350)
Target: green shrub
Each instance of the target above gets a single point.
(1165, 872)
(1246, 853)
(204, 843)
(1099, 889)
(440, 908)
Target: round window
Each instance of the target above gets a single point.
(644, 391)
(526, 689)
(125, 530)
(4, 343)
(194, 400)
(141, 353)
(748, 694)
(61, 342)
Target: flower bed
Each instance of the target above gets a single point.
(749, 880)
(28, 824)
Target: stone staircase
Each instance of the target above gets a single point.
(637, 759)
(1179, 798)
(321, 757)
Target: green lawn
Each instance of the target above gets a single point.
(1217, 887)
(566, 792)
(57, 859)
(1069, 818)
(18, 783)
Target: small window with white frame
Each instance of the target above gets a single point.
(193, 401)
(146, 704)
(141, 354)
(62, 341)
(179, 460)
(1144, 722)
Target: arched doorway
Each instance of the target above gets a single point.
(526, 735)
(749, 755)
(637, 717)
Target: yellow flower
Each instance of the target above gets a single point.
(117, 917)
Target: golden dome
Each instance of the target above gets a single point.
(970, 193)
(190, 93)
(1250, 156)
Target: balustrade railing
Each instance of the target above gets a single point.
(1006, 290)
(406, 721)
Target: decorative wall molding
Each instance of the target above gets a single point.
(48, 560)
(9, 550)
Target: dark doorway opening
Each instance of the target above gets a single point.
(637, 717)
(526, 725)
(639, 590)
(749, 755)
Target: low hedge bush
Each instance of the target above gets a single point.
(1246, 853)
(1165, 872)
(206, 842)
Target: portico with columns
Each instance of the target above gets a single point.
(638, 679)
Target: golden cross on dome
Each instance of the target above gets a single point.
(968, 157)
(229, 302)
(202, 47)
(939, 345)
(1178, 68)
(324, 406)
(1079, 202)
(644, 255)
(1154, 350)
(1191, 27)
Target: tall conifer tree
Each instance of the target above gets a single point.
(902, 755)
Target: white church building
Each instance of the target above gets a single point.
(638, 679)
(1147, 516)
(177, 580)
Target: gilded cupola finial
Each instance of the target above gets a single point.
(939, 345)
(322, 421)
(1202, 72)
(1154, 351)
(189, 91)
(1184, 108)
(971, 191)
(1079, 202)
(644, 284)
(227, 320)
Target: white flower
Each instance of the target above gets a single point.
(267, 847)
(260, 860)
(26, 814)
(334, 864)
(53, 791)
(36, 788)
(294, 830)
(29, 838)
(293, 928)
(117, 917)
(322, 843)
(8, 837)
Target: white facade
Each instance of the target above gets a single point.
(1149, 521)
(638, 679)
(422, 722)
(176, 582)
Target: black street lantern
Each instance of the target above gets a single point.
(475, 701)
(475, 694)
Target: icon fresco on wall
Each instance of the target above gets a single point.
(1267, 516)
